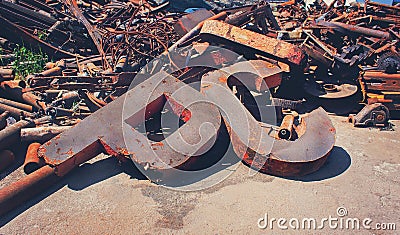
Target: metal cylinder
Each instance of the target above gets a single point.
(15, 112)
(69, 72)
(356, 29)
(32, 160)
(51, 72)
(11, 134)
(7, 74)
(17, 193)
(15, 91)
(18, 105)
(42, 134)
(286, 129)
(6, 159)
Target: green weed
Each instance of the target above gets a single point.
(27, 62)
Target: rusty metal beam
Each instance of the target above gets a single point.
(380, 81)
(280, 50)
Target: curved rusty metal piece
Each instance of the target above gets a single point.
(32, 161)
(111, 129)
(260, 150)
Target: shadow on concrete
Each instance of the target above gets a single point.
(80, 178)
(92, 173)
(337, 163)
(19, 151)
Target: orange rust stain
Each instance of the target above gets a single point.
(123, 151)
(70, 152)
(223, 79)
(157, 144)
(186, 115)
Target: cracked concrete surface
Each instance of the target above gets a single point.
(102, 197)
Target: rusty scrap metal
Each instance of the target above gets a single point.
(17, 193)
(285, 158)
(42, 134)
(24, 107)
(32, 161)
(264, 45)
(188, 22)
(380, 81)
(7, 74)
(20, 95)
(286, 129)
(15, 112)
(347, 28)
(11, 134)
(376, 115)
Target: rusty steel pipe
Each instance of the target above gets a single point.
(7, 74)
(17, 193)
(25, 107)
(15, 112)
(55, 71)
(6, 159)
(11, 134)
(42, 134)
(17, 92)
(356, 29)
(3, 119)
(32, 160)
(286, 129)
(12, 84)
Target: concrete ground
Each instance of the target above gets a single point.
(362, 175)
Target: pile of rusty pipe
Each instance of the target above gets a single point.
(32, 160)
(6, 159)
(17, 193)
(42, 134)
(16, 91)
(11, 134)
(15, 112)
(3, 119)
(25, 107)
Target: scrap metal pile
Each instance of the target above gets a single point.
(306, 55)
